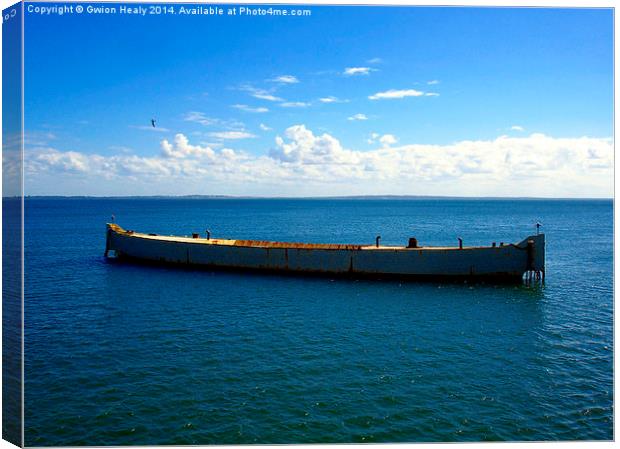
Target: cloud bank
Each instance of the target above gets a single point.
(304, 163)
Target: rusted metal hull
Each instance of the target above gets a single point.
(506, 263)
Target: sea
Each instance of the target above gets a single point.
(127, 354)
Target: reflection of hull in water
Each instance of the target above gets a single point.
(498, 263)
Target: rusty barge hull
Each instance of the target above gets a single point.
(507, 263)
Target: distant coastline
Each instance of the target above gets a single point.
(338, 197)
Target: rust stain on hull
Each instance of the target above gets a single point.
(294, 245)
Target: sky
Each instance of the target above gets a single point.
(338, 101)
(11, 102)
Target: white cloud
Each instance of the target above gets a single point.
(387, 140)
(305, 147)
(295, 104)
(350, 71)
(246, 108)
(266, 96)
(234, 135)
(12, 162)
(261, 94)
(358, 117)
(69, 161)
(431, 94)
(286, 79)
(332, 99)
(375, 61)
(394, 94)
(432, 82)
(302, 162)
(373, 137)
(504, 166)
(199, 117)
(180, 148)
(516, 128)
(264, 127)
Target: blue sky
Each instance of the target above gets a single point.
(369, 78)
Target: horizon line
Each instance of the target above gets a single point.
(379, 196)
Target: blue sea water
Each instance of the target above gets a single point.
(127, 354)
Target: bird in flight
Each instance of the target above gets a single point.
(153, 122)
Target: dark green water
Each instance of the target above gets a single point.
(126, 354)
